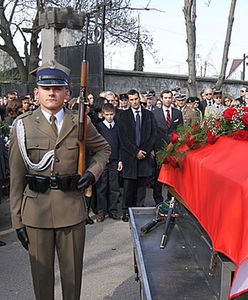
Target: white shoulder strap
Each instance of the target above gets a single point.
(46, 160)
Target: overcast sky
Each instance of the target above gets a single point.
(168, 30)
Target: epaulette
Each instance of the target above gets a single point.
(24, 115)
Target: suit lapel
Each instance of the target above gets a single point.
(162, 118)
(144, 120)
(131, 118)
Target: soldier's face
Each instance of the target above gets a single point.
(181, 103)
(51, 98)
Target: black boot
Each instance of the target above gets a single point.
(89, 221)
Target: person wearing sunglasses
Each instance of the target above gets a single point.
(228, 101)
(217, 108)
(241, 97)
(208, 101)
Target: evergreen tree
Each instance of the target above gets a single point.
(139, 56)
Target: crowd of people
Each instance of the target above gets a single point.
(126, 164)
(106, 110)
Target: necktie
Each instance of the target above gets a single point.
(110, 126)
(209, 103)
(53, 124)
(168, 118)
(137, 128)
(218, 107)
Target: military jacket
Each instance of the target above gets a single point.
(54, 208)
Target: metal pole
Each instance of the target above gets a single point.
(243, 73)
(102, 40)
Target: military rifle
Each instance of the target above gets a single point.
(82, 117)
(82, 121)
(82, 109)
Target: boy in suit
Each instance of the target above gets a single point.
(107, 188)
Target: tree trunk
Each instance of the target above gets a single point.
(226, 46)
(35, 48)
(189, 11)
(9, 46)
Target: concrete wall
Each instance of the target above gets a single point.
(21, 88)
(121, 81)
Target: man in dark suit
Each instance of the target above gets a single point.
(168, 118)
(208, 101)
(47, 205)
(137, 131)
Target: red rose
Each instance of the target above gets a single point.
(205, 124)
(245, 108)
(211, 137)
(174, 137)
(229, 113)
(165, 161)
(241, 135)
(190, 140)
(195, 127)
(245, 119)
(172, 161)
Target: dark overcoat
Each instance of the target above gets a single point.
(133, 167)
(163, 130)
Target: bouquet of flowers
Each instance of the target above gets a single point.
(233, 122)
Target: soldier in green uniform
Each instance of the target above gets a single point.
(47, 208)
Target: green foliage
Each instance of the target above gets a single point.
(4, 129)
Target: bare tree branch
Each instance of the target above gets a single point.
(226, 45)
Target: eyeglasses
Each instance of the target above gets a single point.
(208, 94)
(242, 91)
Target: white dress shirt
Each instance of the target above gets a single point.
(107, 124)
(135, 113)
(165, 111)
(59, 118)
